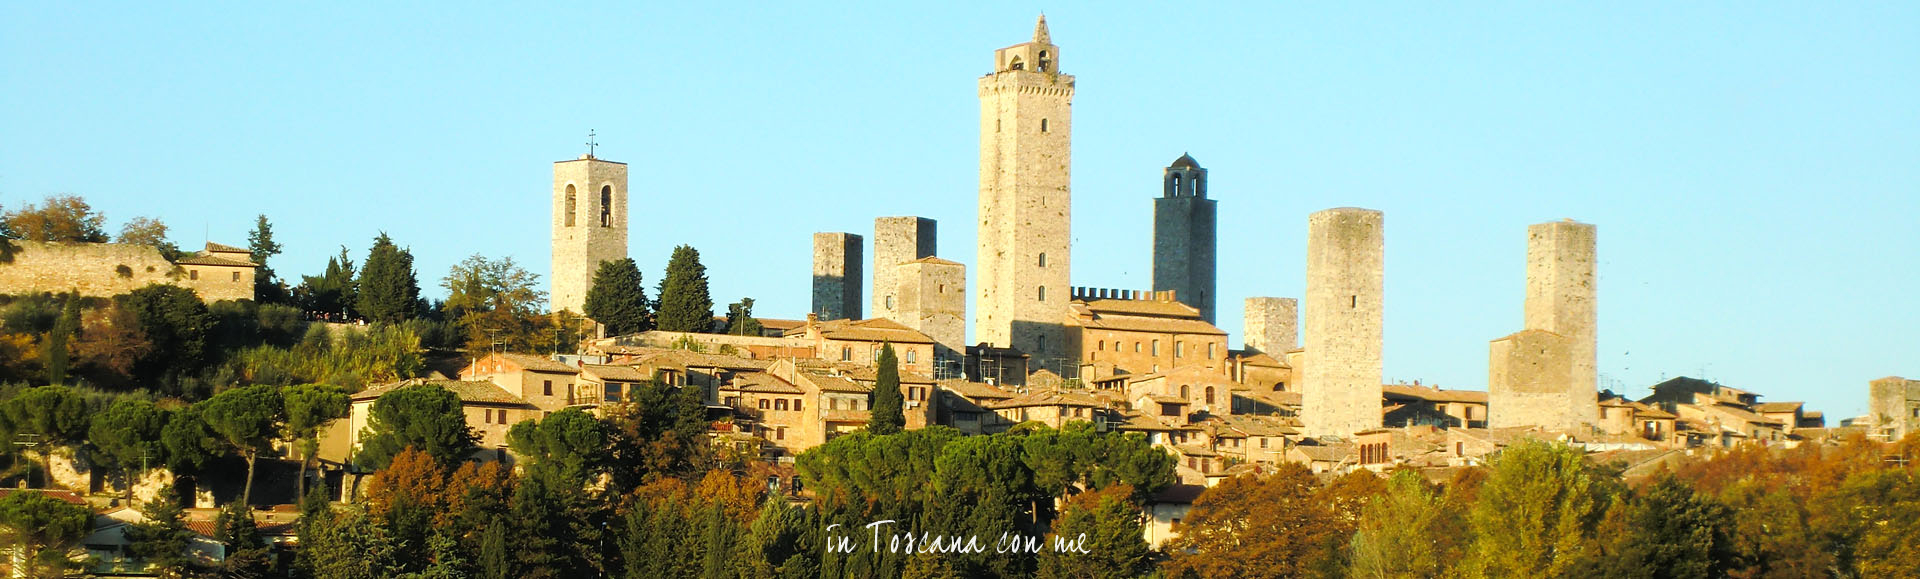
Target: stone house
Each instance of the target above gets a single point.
(1713, 420)
(1622, 417)
(1166, 509)
(1260, 372)
(1055, 407)
(1418, 405)
(1143, 336)
(605, 384)
(860, 342)
(1893, 408)
(490, 411)
(548, 384)
(964, 405)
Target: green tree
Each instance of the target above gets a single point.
(128, 435)
(46, 530)
(685, 304)
(493, 300)
(53, 414)
(333, 291)
(662, 430)
(309, 408)
(151, 233)
(63, 218)
(57, 347)
(176, 324)
(887, 415)
(1408, 532)
(1105, 526)
(618, 299)
(740, 321)
(423, 416)
(162, 539)
(267, 288)
(1537, 512)
(247, 421)
(248, 556)
(388, 290)
(190, 443)
(1666, 530)
(348, 545)
(566, 448)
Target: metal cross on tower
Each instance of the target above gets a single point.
(590, 143)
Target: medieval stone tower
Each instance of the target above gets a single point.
(1340, 381)
(897, 240)
(930, 295)
(836, 276)
(589, 226)
(1545, 375)
(1272, 326)
(1026, 110)
(1183, 236)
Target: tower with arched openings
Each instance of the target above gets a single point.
(589, 226)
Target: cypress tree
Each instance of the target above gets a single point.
(618, 300)
(55, 347)
(389, 291)
(267, 288)
(685, 305)
(888, 417)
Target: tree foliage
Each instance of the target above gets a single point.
(888, 415)
(60, 218)
(175, 323)
(387, 291)
(740, 321)
(422, 416)
(246, 421)
(491, 300)
(660, 431)
(618, 298)
(1537, 512)
(267, 287)
(333, 292)
(685, 304)
(46, 530)
(128, 435)
(1258, 526)
(162, 538)
(149, 232)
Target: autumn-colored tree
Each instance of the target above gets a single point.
(1256, 526)
(63, 218)
(406, 497)
(110, 343)
(151, 233)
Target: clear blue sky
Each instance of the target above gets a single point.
(1754, 168)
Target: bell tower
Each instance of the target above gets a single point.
(589, 226)
(1183, 236)
(1026, 121)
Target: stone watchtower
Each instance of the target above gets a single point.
(1025, 126)
(1545, 375)
(931, 296)
(897, 240)
(836, 276)
(1340, 380)
(1272, 325)
(1183, 236)
(589, 226)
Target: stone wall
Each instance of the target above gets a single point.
(111, 269)
(932, 298)
(1340, 380)
(1025, 226)
(897, 240)
(1272, 325)
(586, 230)
(836, 276)
(1527, 376)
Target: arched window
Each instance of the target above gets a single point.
(1015, 64)
(1045, 63)
(1184, 393)
(1209, 394)
(1043, 125)
(606, 206)
(1043, 260)
(889, 302)
(1043, 293)
(571, 208)
(1176, 184)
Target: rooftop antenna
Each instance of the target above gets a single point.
(591, 144)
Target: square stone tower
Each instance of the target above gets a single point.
(1893, 407)
(897, 240)
(931, 296)
(1026, 110)
(1183, 236)
(589, 226)
(1340, 380)
(1546, 374)
(836, 276)
(1272, 325)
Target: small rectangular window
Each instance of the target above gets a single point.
(796, 404)
(765, 404)
(193, 274)
(547, 389)
(236, 276)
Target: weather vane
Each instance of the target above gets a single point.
(590, 143)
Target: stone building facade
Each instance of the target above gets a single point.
(1893, 407)
(1184, 243)
(930, 295)
(836, 276)
(1545, 375)
(897, 240)
(589, 226)
(1340, 371)
(1272, 325)
(220, 272)
(1025, 228)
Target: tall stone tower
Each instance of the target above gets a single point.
(1272, 326)
(897, 240)
(931, 296)
(1546, 374)
(589, 226)
(1183, 236)
(836, 276)
(1026, 112)
(1340, 383)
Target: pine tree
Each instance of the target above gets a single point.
(55, 347)
(163, 538)
(685, 305)
(247, 552)
(267, 288)
(618, 299)
(740, 320)
(389, 291)
(888, 416)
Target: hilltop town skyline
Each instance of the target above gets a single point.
(1679, 263)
